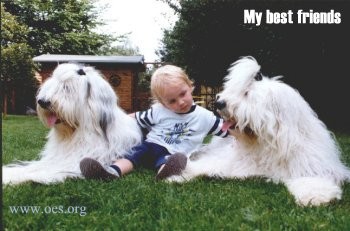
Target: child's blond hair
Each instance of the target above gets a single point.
(167, 75)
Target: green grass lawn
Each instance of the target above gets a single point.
(138, 202)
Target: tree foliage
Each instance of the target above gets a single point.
(16, 63)
(208, 36)
(211, 34)
(60, 26)
(123, 49)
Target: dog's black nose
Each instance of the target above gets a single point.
(220, 104)
(44, 104)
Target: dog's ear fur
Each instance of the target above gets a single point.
(101, 103)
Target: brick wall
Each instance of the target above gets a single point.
(124, 89)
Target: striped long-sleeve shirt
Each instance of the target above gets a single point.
(182, 133)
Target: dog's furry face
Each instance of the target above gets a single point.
(74, 93)
(258, 106)
(235, 103)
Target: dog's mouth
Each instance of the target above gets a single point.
(229, 125)
(52, 119)
(234, 130)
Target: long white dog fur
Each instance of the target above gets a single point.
(81, 109)
(276, 135)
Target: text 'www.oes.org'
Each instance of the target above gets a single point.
(59, 209)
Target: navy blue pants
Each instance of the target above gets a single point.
(148, 155)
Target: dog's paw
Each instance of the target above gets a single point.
(313, 191)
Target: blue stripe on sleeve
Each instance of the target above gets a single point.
(215, 126)
(140, 120)
(147, 118)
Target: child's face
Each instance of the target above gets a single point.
(177, 97)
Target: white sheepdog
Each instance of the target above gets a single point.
(81, 109)
(277, 136)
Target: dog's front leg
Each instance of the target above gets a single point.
(313, 190)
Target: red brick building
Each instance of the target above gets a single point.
(121, 71)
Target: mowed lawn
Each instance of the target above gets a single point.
(138, 202)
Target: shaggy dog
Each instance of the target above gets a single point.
(277, 136)
(81, 109)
